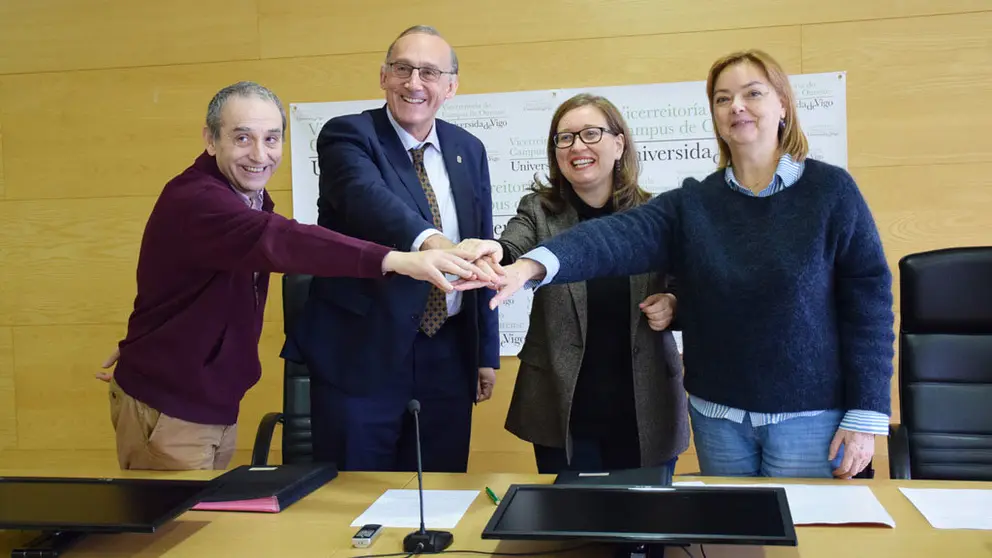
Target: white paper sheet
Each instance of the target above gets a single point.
(816, 504)
(954, 508)
(443, 509)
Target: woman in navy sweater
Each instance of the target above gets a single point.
(784, 288)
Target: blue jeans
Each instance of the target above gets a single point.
(797, 447)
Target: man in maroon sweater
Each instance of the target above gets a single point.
(191, 350)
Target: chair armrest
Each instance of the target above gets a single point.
(263, 438)
(899, 452)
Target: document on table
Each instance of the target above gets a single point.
(953, 508)
(821, 504)
(443, 509)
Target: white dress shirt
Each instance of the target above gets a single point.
(437, 173)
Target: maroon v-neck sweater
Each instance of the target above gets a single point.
(191, 349)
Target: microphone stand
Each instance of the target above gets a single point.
(422, 540)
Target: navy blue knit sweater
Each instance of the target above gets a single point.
(785, 301)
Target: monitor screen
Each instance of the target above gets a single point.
(677, 515)
(94, 505)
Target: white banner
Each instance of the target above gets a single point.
(670, 123)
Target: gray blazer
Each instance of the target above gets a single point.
(552, 354)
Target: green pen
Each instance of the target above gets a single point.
(492, 495)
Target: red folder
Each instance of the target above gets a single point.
(269, 504)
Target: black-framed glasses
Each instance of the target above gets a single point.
(589, 136)
(403, 70)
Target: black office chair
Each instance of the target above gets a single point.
(295, 416)
(945, 367)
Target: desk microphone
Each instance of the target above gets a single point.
(423, 541)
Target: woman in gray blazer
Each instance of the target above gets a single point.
(598, 387)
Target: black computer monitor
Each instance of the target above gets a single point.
(644, 515)
(64, 509)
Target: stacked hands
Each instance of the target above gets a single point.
(475, 263)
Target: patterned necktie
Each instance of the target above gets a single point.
(437, 306)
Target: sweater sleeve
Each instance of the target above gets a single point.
(217, 231)
(864, 307)
(627, 243)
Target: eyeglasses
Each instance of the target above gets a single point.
(427, 73)
(589, 136)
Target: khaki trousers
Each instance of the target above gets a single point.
(148, 439)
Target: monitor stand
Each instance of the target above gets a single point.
(50, 544)
(635, 550)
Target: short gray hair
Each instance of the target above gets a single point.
(424, 30)
(244, 89)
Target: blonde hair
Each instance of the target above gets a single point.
(791, 138)
(626, 192)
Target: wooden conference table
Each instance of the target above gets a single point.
(320, 525)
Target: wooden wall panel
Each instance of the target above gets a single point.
(493, 448)
(322, 78)
(8, 401)
(79, 115)
(60, 404)
(70, 261)
(266, 396)
(917, 88)
(513, 67)
(7, 267)
(107, 133)
(488, 433)
(74, 261)
(616, 60)
(3, 190)
(920, 208)
(67, 113)
(291, 28)
(53, 35)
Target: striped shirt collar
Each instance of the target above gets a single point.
(787, 173)
(254, 201)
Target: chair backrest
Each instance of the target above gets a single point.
(945, 362)
(297, 446)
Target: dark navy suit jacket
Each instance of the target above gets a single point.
(355, 332)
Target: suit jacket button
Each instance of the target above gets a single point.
(637, 350)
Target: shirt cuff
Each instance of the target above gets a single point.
(419, 241)
(868, 422)
(546, 258)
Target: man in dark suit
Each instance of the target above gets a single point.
(400, 177)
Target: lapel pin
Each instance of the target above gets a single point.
(458, 158)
